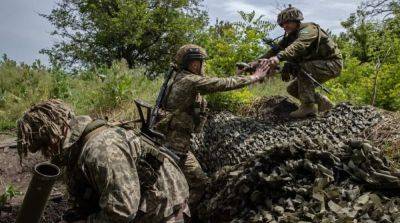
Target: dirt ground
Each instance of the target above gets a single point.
(19, 176)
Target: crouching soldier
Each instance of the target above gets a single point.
(112, 174)
(185, 107)
(306, 48)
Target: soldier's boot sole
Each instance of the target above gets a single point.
(324, 104)
(305, 111)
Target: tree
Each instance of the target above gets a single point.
(372, 54)
(359, 35)
(230, 42)
(385, 8)
(142, 32)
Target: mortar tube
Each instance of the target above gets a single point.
(44, 176)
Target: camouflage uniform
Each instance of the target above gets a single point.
(315, 52)
(185, 108)
(104, 176)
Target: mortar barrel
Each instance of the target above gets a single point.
(44, 177)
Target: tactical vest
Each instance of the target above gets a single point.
(323, 48)
(197, 111)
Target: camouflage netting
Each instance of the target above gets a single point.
(228, 139)
(292, 183)
(268, 168)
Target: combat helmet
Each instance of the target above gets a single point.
(42, 128)
(188, 53)
(290, 14)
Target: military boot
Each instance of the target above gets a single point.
(305, 110)
(324, 104)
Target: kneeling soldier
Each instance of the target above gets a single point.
(307, 49)
(112, 174)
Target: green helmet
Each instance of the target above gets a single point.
(290, 14)
(188, 53)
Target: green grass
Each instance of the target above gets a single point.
(270, 87)
(9, 193)
(105, 92)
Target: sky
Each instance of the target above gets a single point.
(23, 32)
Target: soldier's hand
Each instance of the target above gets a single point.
(261, 71)
(239, 71)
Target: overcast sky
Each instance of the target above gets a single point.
(23, 32)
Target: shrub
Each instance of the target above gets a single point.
(231, 100)
(356, 84)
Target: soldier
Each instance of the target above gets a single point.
(112, 174)
(185, 108)
(306, 48)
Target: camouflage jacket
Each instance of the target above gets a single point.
(104, 176)
(185, 105)
(310, 42)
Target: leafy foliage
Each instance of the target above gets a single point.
(231, 101)
(95, 33)
(9, 193)
(372, 52)
(228, 43)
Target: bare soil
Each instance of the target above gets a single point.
(12, 172)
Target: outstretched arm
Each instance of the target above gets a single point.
(207, 85)
(274, 50)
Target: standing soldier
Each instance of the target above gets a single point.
(185, 108)
(112, 174)
(306, 48)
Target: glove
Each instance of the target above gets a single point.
(288, 70)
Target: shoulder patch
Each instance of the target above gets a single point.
(304, 31)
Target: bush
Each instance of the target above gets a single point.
(120, 87)
(356, 84)
(228, 43)
(231, 100)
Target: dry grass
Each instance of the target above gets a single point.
(386, 135)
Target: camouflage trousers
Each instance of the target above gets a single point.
(195, 176)
(303, 88)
